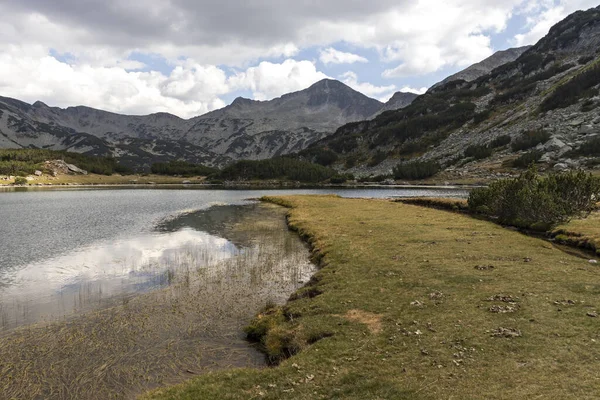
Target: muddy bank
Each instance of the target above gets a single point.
(192, 326)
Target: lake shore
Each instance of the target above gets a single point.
(413, 302)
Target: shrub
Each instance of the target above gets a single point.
(19, 180)
(580, 86)
(181, 168)
(482, 116)
(276, 168)
(416, 170)
(532, 201)
(590, 148)
(337, 179)
(478, 152)
(377, 158)
(500, 141)
(527, 159)
(530, 139)
(320, 156)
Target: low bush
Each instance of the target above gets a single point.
(416, 170)
(530, 139)
(377, 158)
(19, 180)
(535, 202)
(500, 141)
(276, 168)
(482, 116)
(579, 87)
(478, 152)
(525, 160)
(590, 148)
(181, 168)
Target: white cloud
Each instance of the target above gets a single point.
(190, 89)
(382, 93)
(333, 56)
(409, 89)
(269, 80)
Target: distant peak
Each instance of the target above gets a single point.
(241, 101)
(327, 84)
(39, 104)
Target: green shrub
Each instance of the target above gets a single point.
(532, 201)
(530, 139)
(416, 170)
(579, 87)
(478, 152)
(525, 160)
(500, 141)
(482, 116)
(320, 156)
(588, 105)
(284, 168)
(377, 158)
(337, 179)
(181, 168)
(19, 180)
(590, 148)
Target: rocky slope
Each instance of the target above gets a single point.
(486, 66)
(398, 101)
(544, 107)
(246, 129)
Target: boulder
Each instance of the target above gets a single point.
(587, 129)
(38, 173)
(561, 167)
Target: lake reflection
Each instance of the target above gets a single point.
(92, 276)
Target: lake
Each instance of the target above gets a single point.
(54, 243)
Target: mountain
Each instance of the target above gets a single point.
(245, 129)
(486, 66)
(399, 100)
(542, 107)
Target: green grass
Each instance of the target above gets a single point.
(404, 312)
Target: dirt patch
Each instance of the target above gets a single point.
(373, 321)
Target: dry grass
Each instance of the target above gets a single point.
(439, 203)
(468, 310)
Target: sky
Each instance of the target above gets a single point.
(188, 57)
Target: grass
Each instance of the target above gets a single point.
(417, 303)
(583, 233)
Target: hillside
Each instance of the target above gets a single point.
(486, 66)
(541, 107)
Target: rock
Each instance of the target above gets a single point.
(592, 314)
(593, 261)
(38, 173)
(586, 129)
(553, 144)
(186, 182)
(576, 122)
(560, 167)
(506, 332)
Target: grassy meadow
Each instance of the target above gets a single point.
(417, 303)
